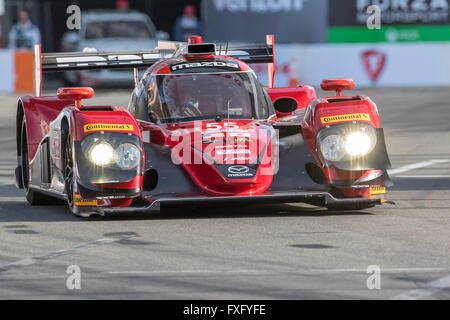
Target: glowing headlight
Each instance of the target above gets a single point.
(128, 156)
(102, 154)
(332, 148)
(358, 144)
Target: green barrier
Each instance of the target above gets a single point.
(410, 33)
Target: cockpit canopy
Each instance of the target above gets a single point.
(168, 98)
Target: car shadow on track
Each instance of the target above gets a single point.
(249, 211)
(14, 208)
(20, 211)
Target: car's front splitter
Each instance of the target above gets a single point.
(318, 198)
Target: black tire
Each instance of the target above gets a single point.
(34, 197)
(68, 169)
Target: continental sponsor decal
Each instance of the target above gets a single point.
(346, 117)
(107, 126)
(79, 201)
(377, 190)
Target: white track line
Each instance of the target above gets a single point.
(264, 272)
(58, 253)
(417, 165)
(426, 290)
(426, 176)
(6, 184)
(13, 199)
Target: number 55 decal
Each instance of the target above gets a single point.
(226, 125)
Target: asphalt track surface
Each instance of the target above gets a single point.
(287, 251)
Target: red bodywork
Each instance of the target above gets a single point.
(185, 142)
(192, 144)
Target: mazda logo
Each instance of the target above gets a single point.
(238, 169)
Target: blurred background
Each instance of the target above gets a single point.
(315, 39)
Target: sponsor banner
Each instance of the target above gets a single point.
(78, 201)
(248, 20)
(226, 65)
(377, 191)
(108, 127)
(401, 21)
(368, 64)
(233, 151)
(376, 65)
(393, 12)
(345, 117)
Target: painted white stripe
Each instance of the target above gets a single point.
(429, 176)
(426, 290)
(417, 165)
(263, 272)
(12, 199)
(2, 184)
(58, 253)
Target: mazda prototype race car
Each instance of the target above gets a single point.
(200, 129)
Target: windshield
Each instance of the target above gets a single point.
(117, 29)
(225, 95)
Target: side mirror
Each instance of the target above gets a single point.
(285, 105)
(162, 35)
(337, 85)
(76, 94)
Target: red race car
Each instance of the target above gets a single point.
(200, 129)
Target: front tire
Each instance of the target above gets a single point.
(69, 180)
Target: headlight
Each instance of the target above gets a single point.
(128, 156)
(332, 148)
(357, 144)
(101, 154)
(346, 142)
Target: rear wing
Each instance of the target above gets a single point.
(257, 54)
(250, 54)
(253, 53)
(93, 60)
(101, 60)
